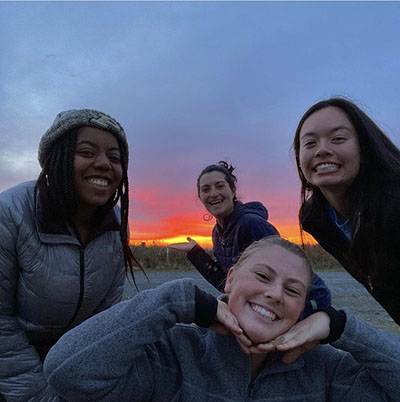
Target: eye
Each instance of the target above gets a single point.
(308, 143)
(262, 276)
(115, 159)
(204, 189)
(86, 153)
(339, 139)
(293, 291)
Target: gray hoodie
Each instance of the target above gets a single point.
(144, 350)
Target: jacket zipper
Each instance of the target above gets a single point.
(250, 390)
(82, 283)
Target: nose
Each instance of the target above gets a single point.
(274, 292)
(102, 162)
(322, 149)
(213, 191)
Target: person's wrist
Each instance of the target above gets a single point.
(205, 308)
(337, 323)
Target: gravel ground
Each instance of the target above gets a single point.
(346, 292)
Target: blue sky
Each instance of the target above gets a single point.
(193, 83)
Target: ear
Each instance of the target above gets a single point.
(229, 279)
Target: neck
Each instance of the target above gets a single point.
(338, 202)
(82, 221)
(220, 221)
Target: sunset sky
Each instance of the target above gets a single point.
(193, 83)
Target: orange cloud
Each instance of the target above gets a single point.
(167, 217)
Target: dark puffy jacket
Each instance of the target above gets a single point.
(49, 283)
(247, 223)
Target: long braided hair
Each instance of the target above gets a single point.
(58, 198)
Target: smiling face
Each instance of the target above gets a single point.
(216, 195)
(329, 151)
(267, 292)
(97, 167)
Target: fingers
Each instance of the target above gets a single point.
(227, 319)
(226, 322)
(244, 341)
(309, 331)
(245, 347)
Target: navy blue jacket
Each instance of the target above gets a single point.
(247, 223)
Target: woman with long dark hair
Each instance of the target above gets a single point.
(64, 245)
(350, 191)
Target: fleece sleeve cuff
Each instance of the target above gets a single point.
(336, 325)
(205, 308)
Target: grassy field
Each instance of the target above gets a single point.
(157, 258)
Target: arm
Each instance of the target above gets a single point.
(21, 375)
(208, 268)
(105, 358)
(371, 368)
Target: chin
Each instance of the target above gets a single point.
(262, 337)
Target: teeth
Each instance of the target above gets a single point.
(265, 313)
(99, 182)
(323, 167)
(215, 202)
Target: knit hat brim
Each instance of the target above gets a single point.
(70, 119)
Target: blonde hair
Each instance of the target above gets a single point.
(275, 241)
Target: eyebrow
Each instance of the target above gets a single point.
(82, 142)
(291, 280)
(331, 131)
(216, 183)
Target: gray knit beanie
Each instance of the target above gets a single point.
(70, 119)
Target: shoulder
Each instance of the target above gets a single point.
(253, 211)
(16, 200)
(20, 191)
(255, 216)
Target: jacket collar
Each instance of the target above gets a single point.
(50, 230)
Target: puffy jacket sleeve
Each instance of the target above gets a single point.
(104, 358)
(21, 374)
(208, 268)
(371, 369)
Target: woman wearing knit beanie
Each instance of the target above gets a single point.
(64, 245)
